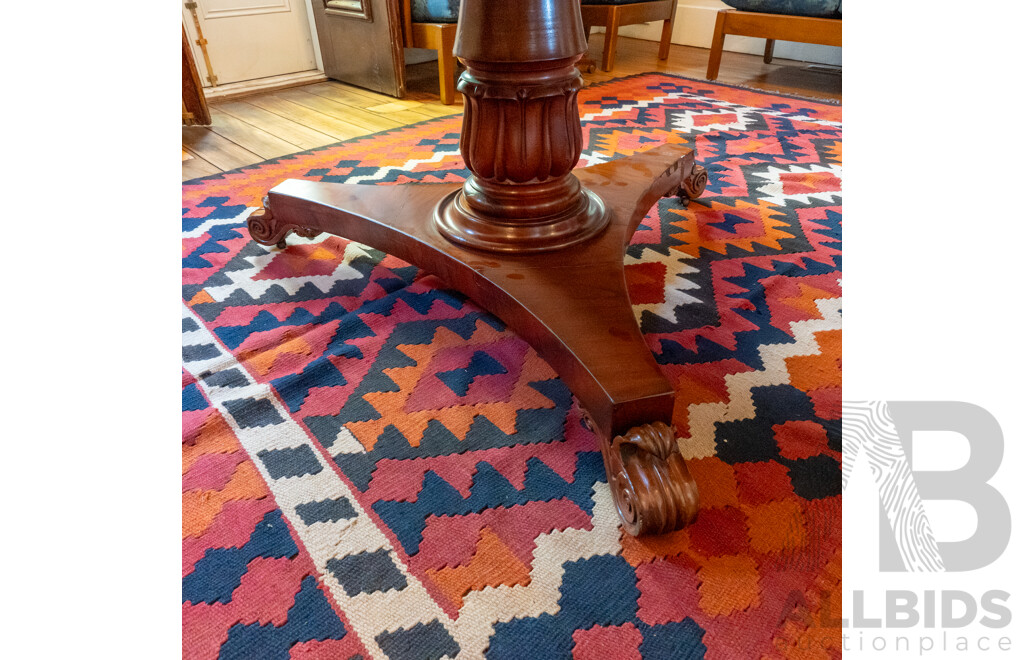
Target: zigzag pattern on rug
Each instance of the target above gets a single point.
(374, 467)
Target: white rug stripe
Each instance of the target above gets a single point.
(370, 614)
(243, 279)
(482, 609)
(208, 224)
(374, 613)
(740, 405)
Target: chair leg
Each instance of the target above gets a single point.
(446, 67)
(666, 39)
(717, 42)
(611, 38)
(769, 50)
(587, 63)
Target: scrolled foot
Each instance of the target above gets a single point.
(265, 229)
(692, 186)
(652, 488)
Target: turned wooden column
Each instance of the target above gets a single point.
(521, 133)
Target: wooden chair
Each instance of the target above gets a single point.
(613, 13)
(433, 36)
(804, 29)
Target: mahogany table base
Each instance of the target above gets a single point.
(571, 305)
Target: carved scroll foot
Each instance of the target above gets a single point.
(265, 229)
(652, 488)
(692, 185)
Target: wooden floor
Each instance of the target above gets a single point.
(269, 125)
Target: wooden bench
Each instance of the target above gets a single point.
(615, 13)
(804, 29)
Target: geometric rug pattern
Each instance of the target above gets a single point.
(375, 467)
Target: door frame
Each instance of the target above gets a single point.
(193, 100)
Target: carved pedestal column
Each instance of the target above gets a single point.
(533, 241)
(521, 134)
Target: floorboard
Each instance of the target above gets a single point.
(249, 137)
(287, 129)
(337, 128)
(339, 110)
(219, 151)
(195, 167)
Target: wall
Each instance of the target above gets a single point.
(695, 25)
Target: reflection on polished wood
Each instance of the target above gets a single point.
(525, 229)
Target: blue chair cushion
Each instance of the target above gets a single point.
(816, 8)
(435, 11)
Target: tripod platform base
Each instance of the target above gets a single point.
(570, 304)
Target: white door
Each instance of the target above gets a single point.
(250, 39)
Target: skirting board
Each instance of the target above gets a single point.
(247, 87)
(695, 26)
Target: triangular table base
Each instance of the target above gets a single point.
(571, 305)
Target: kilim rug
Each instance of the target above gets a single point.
(374, 467)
